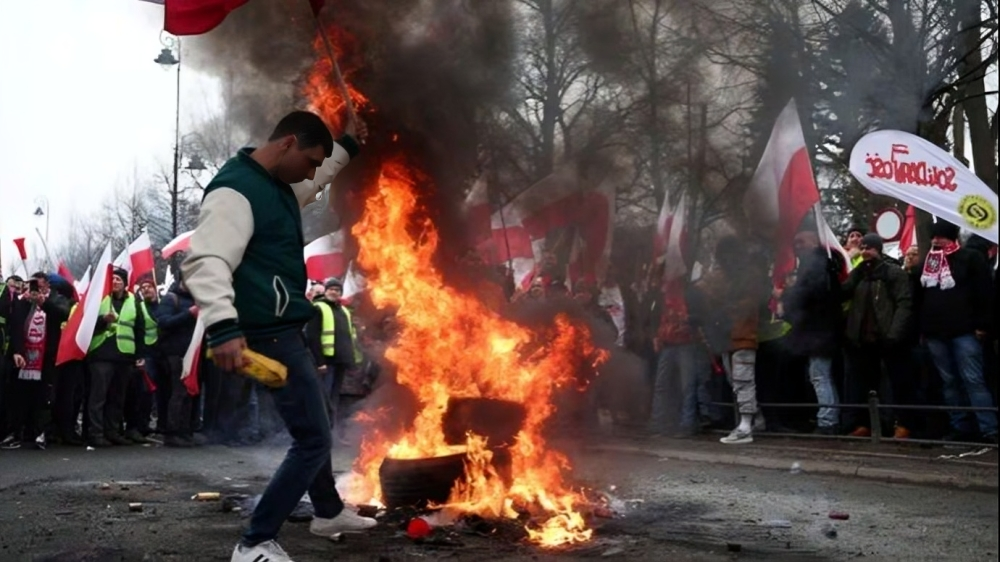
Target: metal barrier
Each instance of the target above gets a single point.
(875, 422)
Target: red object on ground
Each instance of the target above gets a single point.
(418, 528)
(840, 515)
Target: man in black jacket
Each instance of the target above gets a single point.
(35, 325)
(878, 322)
(176, 316)
(954, 318)
(812, 308)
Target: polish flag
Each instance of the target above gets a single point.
(81, 285)
(670, 240)
(180, 244)
(79, 331)
(325, 256)
(19, 242)
(354, 282)
(908, 237)
(554, 215)
(194, 17)
(189, 372)
(783, 190)
(137, 259)
(66, 274)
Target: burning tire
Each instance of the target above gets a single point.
(498, 421)
(417, 482)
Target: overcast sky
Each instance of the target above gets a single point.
(83, 107)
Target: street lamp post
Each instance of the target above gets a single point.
(42, 209)
(166, 59)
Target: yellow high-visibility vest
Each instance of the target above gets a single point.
(123, 329)
(149, 324)
(328, 336)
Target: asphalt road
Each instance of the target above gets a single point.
(53, 508)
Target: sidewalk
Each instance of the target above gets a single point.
(886, 462)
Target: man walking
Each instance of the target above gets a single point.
(246, 273)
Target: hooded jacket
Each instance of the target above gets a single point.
(175, 321)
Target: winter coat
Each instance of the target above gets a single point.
(881, 303)
(726, 310)
(56, 308)
(175, 322)
(812, 306)
(964, 308)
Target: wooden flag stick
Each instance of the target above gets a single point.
(337, 75)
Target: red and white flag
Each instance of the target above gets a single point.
(908, 237)
(192, 357)
(354, 282)
(180, 244)
(783, 190)
(194, 17)
(82, 284)
(555, 216)
(137, 259)
(21, 251)
(670, 240)
(325, 256)
(79, 331)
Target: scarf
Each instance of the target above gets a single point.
(936, 272)
(34, 347)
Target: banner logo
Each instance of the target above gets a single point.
(977, 211)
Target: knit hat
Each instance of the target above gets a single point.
(333, 282)
(857, 229)
(121, 274)
(872, 240)
(944, 229)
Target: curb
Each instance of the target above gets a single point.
(854, 469)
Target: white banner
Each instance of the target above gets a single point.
(913, 170)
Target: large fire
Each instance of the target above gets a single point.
(450, 345)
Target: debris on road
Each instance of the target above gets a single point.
(104, 486)
(135, 507)
(840, 515)
(796, 468)
(206, 496)
(778, 524)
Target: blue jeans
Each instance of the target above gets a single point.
(307, 465)
(960, 363)
(684, 363)
(821, 377)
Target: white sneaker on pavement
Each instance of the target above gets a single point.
(346, 522)
(264, 552)
(737, 437)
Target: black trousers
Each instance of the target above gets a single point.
(864, 368)
(179, 404)
(106, 401)
(69, 388)
(27, 408)
(138, 402)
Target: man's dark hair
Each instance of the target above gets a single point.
(40, 275)
(307, 128)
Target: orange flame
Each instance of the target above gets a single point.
(451, 345)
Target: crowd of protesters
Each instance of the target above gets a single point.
(131, 387)
(919, 331)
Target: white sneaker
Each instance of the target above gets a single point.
(346, 522)
(264, 552)
(737, 437)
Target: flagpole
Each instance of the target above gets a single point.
(45, 245)
(337, 75)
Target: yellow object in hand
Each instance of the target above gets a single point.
(263, 369)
